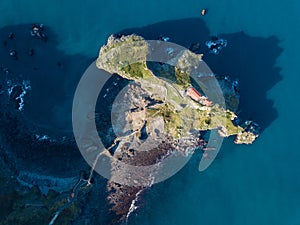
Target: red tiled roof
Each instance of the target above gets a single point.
(193, 93)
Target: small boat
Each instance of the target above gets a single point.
(203, 12)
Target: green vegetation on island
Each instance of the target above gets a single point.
(183, 107)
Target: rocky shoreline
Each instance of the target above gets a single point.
(43, 165)
(135, 120)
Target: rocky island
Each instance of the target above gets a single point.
(162, 112)
(178, 103)
(162, 102)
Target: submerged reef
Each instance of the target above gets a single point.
(39, 164)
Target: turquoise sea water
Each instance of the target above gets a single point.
(257, 184)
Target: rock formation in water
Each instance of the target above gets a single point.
(150, 113)
(170, 113)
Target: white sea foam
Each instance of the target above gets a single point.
(41, 137)
(25, 87)
(45, 137)
(133, 205)
(10, 87)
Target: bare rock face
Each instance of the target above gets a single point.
(123, 197)
(129, 119)
(142, 141)
(155, 120)
(245, 138)
(129, 110)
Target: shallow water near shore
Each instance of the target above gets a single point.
(257, 184)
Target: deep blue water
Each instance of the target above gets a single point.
(257, 184)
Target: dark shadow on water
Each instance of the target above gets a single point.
(182, 32)
(252, 60)
(53, 77)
